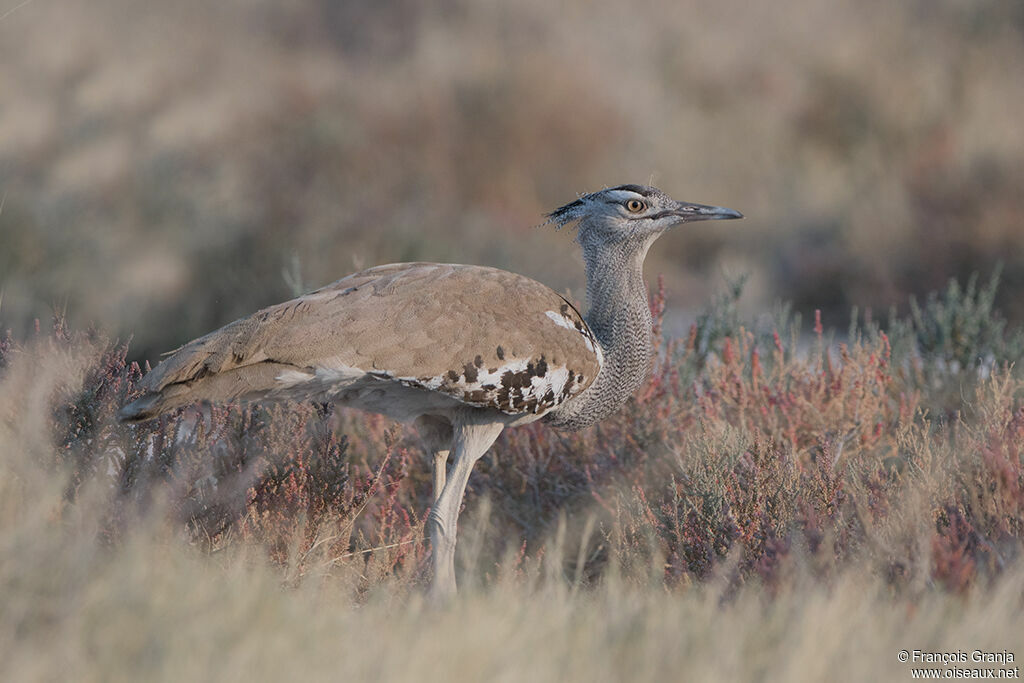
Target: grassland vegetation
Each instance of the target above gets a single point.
(774, 504)
(167, 164)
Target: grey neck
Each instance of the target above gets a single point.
(620, 318)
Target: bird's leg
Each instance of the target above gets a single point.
(436, 433)
(440, 470)
(470, 442)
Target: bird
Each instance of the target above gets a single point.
(459, 351)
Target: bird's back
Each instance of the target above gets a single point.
(482, 336)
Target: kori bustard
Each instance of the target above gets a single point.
(459, 351)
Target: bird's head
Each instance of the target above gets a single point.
(631, 214)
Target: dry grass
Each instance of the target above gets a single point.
(755, 514)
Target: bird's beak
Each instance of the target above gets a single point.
(699, 212)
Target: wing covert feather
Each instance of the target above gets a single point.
(485, 336)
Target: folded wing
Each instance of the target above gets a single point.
(483, 336)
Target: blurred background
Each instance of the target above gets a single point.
(168, 167)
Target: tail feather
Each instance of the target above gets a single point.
(141, 409)
(152, 404)
(248, 383)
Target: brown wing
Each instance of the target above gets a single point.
(484, 336)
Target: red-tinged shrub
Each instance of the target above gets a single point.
(743, 454)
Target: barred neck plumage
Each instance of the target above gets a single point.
(616, 227)
(619, 316)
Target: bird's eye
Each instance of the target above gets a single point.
(635, 206)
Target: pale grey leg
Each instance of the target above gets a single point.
(440, 469)
(436, 433)
(470, 442)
